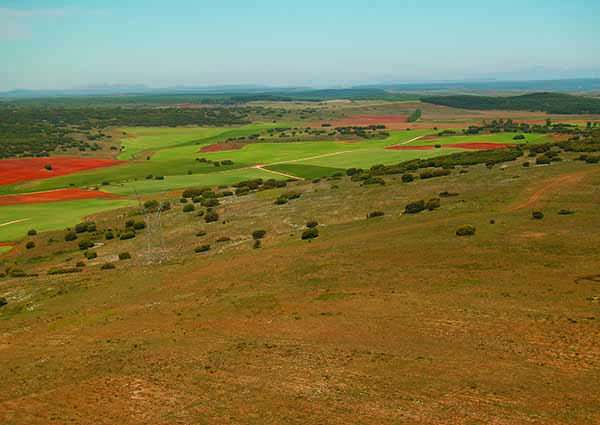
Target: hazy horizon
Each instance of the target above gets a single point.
(55, 44)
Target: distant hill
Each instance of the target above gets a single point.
(553, 103)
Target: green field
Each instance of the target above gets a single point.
(50, 216)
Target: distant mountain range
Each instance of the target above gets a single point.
(587, 85)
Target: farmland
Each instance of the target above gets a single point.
(278, 270)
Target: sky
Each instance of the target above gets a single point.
(54, 44)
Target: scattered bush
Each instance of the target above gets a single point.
(85, 244)
(30, 245)
(107, 266)
(3, 301)
(311, 224)
(81, 227)
(201, 233)
(537, 215)
(373, 180)
(433, 204)
(65, 270)
(139, 225)
(281, 200)
(415, 207)
(439, 172)
(70, 236)
(257, 244)
(310, 233)
(80, 264)
(407, 178)
(258, 234)
(165, 206)
(466, 230)
(202, 248)
(566, 212)
(129, 223)
(210, 202)
(188, 208)
(519, 137)
(374, 214)
(526, 164)
(127, 235)
(223, 239)
(31, 232)
(151, 204)
(109, 235)
(124, 256)
(197, 199)
(183, 200)
(211, 216)
(446, 194)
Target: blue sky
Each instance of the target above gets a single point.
(65, 44)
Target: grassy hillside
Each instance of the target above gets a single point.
(554, 103)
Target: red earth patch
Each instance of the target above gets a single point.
(25, 169)
(218, 147)
(54, 196)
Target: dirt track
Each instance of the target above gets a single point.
(549, 186)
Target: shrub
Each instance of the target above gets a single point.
(227, 193)
(446, 194)
(91, 227)
(85, 244)
(466, 230)
(81, 227)
(201, 233)
(310, 233)
(537, 215)
(241, 191)
(139, 225)
(211, 216)
(165, 206)
(183, 200)
(197, 199)
(519, 137)
(433, 204)
(227, 162)
(129, 223)
(188, 208)
(281, 200)
(17, 273)
(566, 212)
(151, 204)
(159, 178)
(258, 234)
(312, 223)
(107, 266)
(31, 232)
(90, 255)
(65, 270)
(407, 178)
(526, 164)
(224, 239)
(48, 167)
(202, 248)
(373, 180)
(3, 302)
(353, 171)
(257, 244)
(109, 235)
(70, 236)
(439, 172)
(30, 245)
(210, 202)
(127, 235)
(415, 207)
(80, 264)
(124, 256)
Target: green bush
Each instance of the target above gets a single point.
(90, 255)
(466, 230)
(109, 235)
(446, 194)
(433, 204)
(257, 244)
(70, 236)
(183, 200)
(210, 202)
(30, 245)
(124, 256)
(537, 215)
(519, 137)
(81, 227)
(202, 248)
(65, 270)
(165, 206)
(407, 178)
(310, 233)
(129, 223)
(439, 172)
(188, 208)
(258, 234)
(3, 301)
(241, 191)
(201, 233)
(223, 239)
(85, 244)
(107, 266)
(281, 200)
(374, 214)
(127, 235)
(312, 223)
(151, 204)
(139, 225)
(415, 207)
(197, 199)
(211, 216)
(526, 164)
(31, 232)
(566, 212)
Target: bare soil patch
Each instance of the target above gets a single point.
(53, 196)
(225, 146)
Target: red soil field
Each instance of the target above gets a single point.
(25, 169)
(53, 196)
(218, 147)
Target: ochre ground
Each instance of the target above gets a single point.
(54, 196)
(25, 169)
